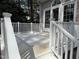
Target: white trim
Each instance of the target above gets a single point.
(75, 10)
(46, 9)
(68, 2)
(61, 14)
(57, 6)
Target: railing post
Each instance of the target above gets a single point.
(10, 40)
(77, 55)
(40, 27)
(52, 35)
(18, 27)
(2, 39)
(50, 43)
(31, 27)
(2, 32)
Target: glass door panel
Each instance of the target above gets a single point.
(56, 14)
(69, 18)
(47, 19)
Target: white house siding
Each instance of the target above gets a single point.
(77, 18)
(77, 11)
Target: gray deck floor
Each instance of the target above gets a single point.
(34, 38)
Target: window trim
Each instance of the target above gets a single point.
(75, 8)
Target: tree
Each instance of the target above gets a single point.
(17, 12)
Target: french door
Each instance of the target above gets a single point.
(47, 15)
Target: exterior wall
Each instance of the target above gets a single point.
(77, 11)
(77, 19)
(76, 15)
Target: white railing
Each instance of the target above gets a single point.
(11, 47)
(62, 43)
(71, 27)
(14, 47)
(26, 27)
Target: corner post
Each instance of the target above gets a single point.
(10, 40)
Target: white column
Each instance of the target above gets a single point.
(41, 20)
(61, 12)
(12, 47)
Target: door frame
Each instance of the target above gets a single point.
(46, 9)
(54, 7)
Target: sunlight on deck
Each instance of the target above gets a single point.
(42, 52)
(34, 38)
(40, 42)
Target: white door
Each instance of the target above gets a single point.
(46, 19)
(47, 15)
(56, 13)
(69, 18)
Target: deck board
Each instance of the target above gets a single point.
(34, 38)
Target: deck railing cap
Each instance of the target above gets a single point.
(6, 14)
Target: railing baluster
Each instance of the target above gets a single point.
(77, 55)
(31, 27)
(62, 45)
(66, 49)
(71, 50)
(55, 38)
(18, 26)
(58, 41)
(52, 36)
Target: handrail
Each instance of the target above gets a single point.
(67, 22)
(61, 42)
(65, 32)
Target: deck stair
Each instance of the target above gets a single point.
(26, 51)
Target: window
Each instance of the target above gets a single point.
(68, 12)
(55, 2)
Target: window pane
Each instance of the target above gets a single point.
(47, 17)
(56, 14)
(68, 12)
